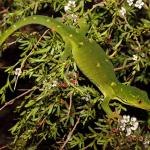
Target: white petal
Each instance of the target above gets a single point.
(122, 129)
(66, 8)
(128, 131)
(127, 118)
(72, 3)
(133, 119)
(135, 126)
(18, 71)
(122, 11)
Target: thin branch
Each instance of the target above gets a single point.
(70, 105)
(2, 67)
(4, 11)
(23, 89)
(13, 100)
(101, 4)
(34, 47)
(124, 67)
(4, 147)
(69, 135)
(113, 54)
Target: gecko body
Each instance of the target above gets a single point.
(92, 61)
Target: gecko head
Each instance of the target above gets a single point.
(134, 97)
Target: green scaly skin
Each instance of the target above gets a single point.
(92, 61)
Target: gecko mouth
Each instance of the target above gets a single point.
(124, 101)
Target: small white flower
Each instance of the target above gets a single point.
(122, 126)
(135, 57)
(44, 81)
(139, 4)
(74, 17)
(133, 119)
(126, 118)
(54, 83)
(143, 55)
(134, 123)
(122, 11)
(122, 121)
(66, 8)
(86, 98)
(70, 4)
(128, 129)
(146, 142)
(130, 2)
(128, 124)
(18, 72)
(134, 126)
(49, 85)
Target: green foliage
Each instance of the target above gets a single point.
(61, 107)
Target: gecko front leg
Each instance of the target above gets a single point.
(109, 112)
(105, 105)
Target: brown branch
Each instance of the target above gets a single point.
(69, 135)
(101, 4)
(34, 47)
(4, 147)
(70, 105)
(113, 54)
(13, 100)
(4, 11)
(124, 67)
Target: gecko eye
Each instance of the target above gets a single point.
(139, 101)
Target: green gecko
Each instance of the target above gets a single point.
(92, 61)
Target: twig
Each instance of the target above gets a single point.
(13, 100)
(3, 147)
(2, 67)
(23, 89)
(101, 4)
(34, 47)
(124, 67)
(4, 11)
(69, 135)
(70, 105)
(41, 140)
(113, 54)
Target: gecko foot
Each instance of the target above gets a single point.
(114, 116)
